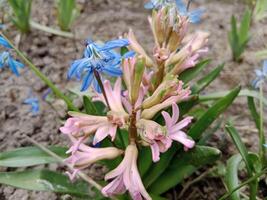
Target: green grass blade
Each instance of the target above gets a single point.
(212, 113)
(231, 177)
(30, 156)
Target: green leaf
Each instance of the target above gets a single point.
(231, 177)
(44, 180)
(244, 28)
(191, 73)
(212, 113)
(89, 106)
(255, 161)
(156, 197)
(182, 166)
(29, 156)
(253, 111)
(158, 168)
(124, 50)
(244, 92)
(239, 145)
(21, 14)
(66, 13)
(144, 161)
(206, 80)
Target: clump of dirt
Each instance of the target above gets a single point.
(104, 20)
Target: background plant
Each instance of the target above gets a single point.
(239, 36)
(66, 13)
(21, 14)
(260, 10)
(254, 162)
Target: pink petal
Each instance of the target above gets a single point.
(114, 187)
(155, 152)
(167, 118)
(180, 125)
(182, 138)
(175, 113)
(100, 134)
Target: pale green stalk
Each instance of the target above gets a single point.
(56, 91)
(262, 150)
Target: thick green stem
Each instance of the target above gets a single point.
(262, 151)
(56, 91)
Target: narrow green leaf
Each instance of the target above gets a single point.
(242, 93)
(212, 113)
(89, 106)
(231, 177)
(44, 180)
(244, 27)
(29, 156)
(191, 73)
(253, 111)
(239, 145)
(158, 168)
(144, 161)
(182, 166)
(206, 80)
(156, 197)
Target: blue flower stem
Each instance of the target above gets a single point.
(57, 92)
(262, 150)
(188, 5)
(97, 76)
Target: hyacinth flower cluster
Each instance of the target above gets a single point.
(145, 88)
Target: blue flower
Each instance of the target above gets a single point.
(194, 16)
(261, 75)
(265, 145)
(4, 43)
(100, 58)
(6, 60)
(34, 103)
(157, 4)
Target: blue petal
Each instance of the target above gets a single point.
(115, 44)
(96, 86)
(264, 69)
(149, 5)
(181, 6)
(87, 80)
(12, 65)
(4, 43)
(129, 54)
(112, 71)
(195, 16)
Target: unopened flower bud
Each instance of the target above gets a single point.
(138, 75)
(138, 48)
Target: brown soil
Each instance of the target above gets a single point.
(104, 20)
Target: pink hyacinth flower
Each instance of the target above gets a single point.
(174, 128)
(126, 177)
(82, 125)
(113, 96)
(154, 134)
(181, 94)
(83, 156)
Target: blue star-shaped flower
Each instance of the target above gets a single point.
(261, 76)
(6, 60)
(98, 57)
(194, 15)
(157, 4)
(4, 43)
(34, 103)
